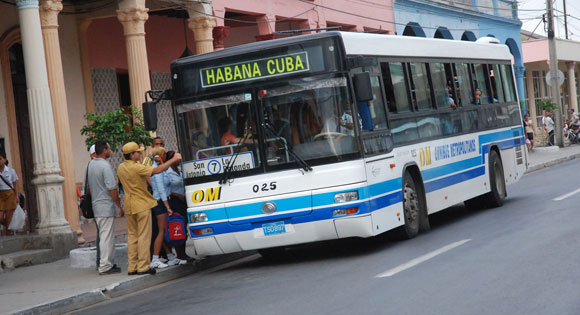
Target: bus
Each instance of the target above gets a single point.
(339, 134)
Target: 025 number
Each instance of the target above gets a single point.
(264, 187)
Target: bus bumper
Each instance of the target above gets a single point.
(355, 226)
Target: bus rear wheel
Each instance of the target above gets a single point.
(497, 195)
(413, 207)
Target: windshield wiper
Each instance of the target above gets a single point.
(228, 173)
(303, 164)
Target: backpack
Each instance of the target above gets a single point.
(175, 232)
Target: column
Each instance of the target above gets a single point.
(85, 64)
(573, 99)
(219, 35)
(133, 17)
(202, 27)
(47, 181)
(532, 101)
(519, 74)
(201, 22)
(49, 10)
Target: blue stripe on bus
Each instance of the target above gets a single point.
(498, 136)
(383, 187)
(443, 170)
(371, 191)
(282, 205)
(454, 179)
(316, 215)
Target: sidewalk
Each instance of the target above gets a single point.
(543, 157)
(56, 288)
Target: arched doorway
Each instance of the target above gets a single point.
(468, 36)
(24, 131)
(414, 29)
(443, 33)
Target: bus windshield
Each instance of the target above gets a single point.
(312, 117)
(308, 117)
(214, 130)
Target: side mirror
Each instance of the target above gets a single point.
(362, 87)
(150, 115)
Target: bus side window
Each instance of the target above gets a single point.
(508, 83)
(372, 113)
(442, 79)
(395, 81)
(462, 84)
(420, 88)
(497, 84)
(481, 80)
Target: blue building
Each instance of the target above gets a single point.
(464, 20)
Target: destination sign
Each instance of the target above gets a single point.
(217, 165)
(255, 69)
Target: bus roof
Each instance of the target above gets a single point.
(382, 45)
(408, 46)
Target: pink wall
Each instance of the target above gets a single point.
(164, 38)
(378, 9)
(535, 50)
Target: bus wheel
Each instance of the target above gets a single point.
(413, 207)
(496, 196)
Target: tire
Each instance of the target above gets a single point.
(414, 207)
(496, 196)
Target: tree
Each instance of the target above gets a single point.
(115, 127)
(547, 105)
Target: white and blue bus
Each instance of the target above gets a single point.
(337, 135)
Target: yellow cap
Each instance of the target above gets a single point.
(131, 147)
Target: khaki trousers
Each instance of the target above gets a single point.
(106, 229)
(139, 240)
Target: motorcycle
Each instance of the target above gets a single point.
(571, 134)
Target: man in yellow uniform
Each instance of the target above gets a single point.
(138, 204)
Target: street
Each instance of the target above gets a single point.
(521, 258)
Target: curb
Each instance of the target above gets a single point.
(138, 283)
(547, 164)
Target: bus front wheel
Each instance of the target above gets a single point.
(413, 207)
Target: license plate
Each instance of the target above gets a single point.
(274, 228)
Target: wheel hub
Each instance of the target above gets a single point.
(411, 204)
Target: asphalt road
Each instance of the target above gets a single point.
(522, 258)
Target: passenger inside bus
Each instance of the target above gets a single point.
(199, 142)
(225, 126)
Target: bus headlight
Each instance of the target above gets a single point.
(198, 217)
(346, 196)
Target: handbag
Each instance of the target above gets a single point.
(18, 219)
(86, 203)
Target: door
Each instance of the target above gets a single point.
(24, 132)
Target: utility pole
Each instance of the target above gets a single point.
(555, 86)
(565, 19)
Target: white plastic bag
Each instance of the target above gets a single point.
(18, 219)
